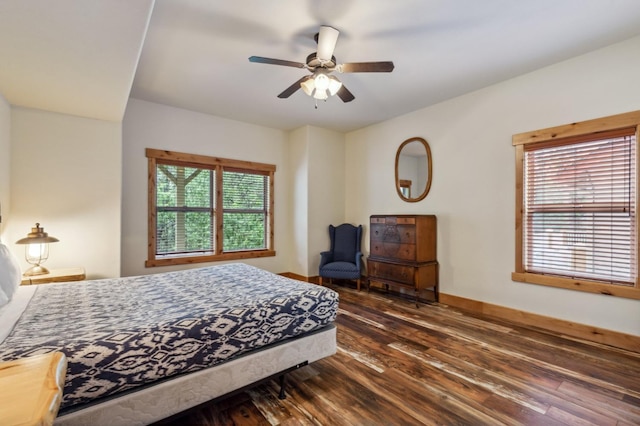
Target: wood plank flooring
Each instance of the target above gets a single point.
(398, 365)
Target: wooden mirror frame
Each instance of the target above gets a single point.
(429, 170)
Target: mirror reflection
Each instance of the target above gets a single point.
(413, 169)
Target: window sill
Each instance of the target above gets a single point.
(579, 285)
(186, 260)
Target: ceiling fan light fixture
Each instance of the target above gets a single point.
(334, 85)
(320, 95)
(308, 86)
(321, 86)
(321, 82)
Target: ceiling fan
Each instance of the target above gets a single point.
(321, 84)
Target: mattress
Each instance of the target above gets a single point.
(158, 401)
(11, 312)
(119, 334)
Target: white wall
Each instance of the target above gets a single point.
(326, 191)
(473, 190)
(299, 199)
(5, 163)
(150, 125)
(317, 194)
(66, 175)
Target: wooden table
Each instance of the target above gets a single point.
(31, 389)
(56, 276)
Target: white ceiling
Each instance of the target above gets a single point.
(71, 56)
(86, 57)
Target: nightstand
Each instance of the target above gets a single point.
(56, 276)
(31, 389)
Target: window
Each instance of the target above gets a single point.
(405, 187)
(576, 222)
(203, 209)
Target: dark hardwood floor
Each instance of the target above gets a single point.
(398, 365)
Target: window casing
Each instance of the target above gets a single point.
(576, 198)
(204, 209)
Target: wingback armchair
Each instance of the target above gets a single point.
(344, 258)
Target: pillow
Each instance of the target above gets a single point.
(10, 274)
(3, 299)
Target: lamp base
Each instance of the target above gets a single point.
(36, 270)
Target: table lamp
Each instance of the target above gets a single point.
(37, 250)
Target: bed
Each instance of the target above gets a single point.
(140, 349)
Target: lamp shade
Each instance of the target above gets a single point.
(334, 85)
(308, 86)
(37, 236)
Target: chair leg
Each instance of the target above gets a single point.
(358, 284)
(321, 280)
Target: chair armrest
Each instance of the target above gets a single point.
(359, 260)
(325, 257)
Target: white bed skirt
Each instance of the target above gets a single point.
(170, 397)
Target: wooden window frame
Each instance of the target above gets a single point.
(156, 157)
(405, 187)
(580, 129)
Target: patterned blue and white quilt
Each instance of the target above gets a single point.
(121, 333)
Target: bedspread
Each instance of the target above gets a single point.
(122, 333)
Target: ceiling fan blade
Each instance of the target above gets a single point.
(327, 39)
(293, 88)
(261, 60)
(386, 66)
(345, 94)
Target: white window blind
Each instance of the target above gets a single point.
(184, 204)
(245, 199)
(579, 214)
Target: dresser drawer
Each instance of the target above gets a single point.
(393, 220)
(393, 250)
(393, 233)
(389, 271)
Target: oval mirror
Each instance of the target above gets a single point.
(413, 169)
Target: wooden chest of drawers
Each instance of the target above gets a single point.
(403, 252)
